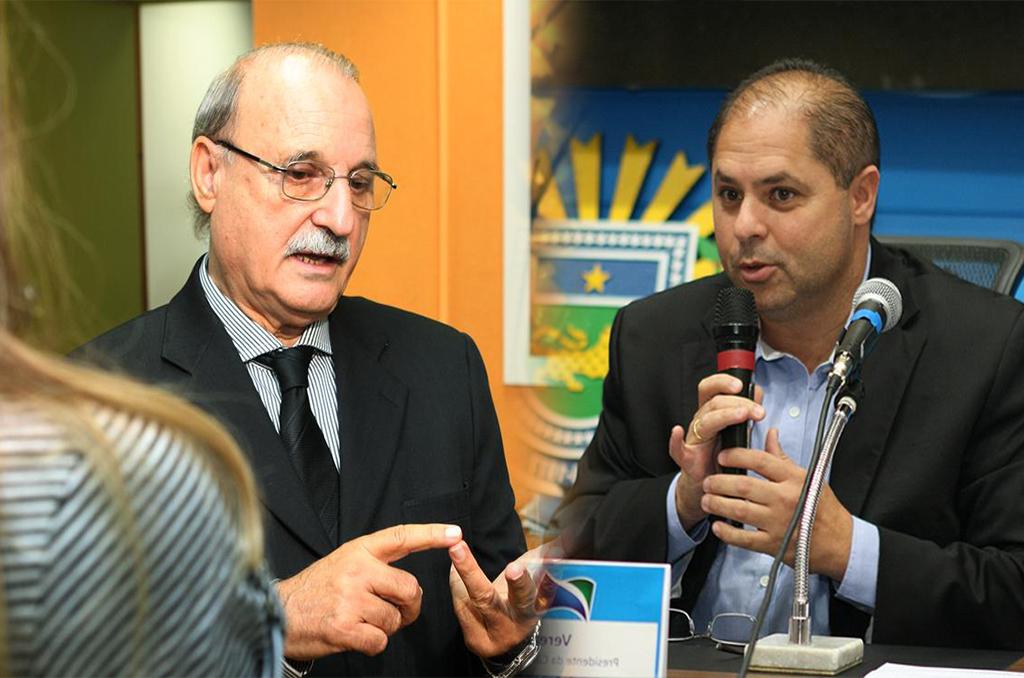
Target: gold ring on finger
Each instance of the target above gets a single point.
(696, 431)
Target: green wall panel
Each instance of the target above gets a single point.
(77, 63)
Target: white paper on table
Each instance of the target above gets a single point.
(890, 670)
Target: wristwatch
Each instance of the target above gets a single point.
(295, 669)
(525, 657)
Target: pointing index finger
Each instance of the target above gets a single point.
(396, 542)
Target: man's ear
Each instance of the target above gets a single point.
(864, 195)
(203, 166)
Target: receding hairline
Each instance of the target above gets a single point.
(264, 60)
(795, 90)
(840, 127)
(781, 93)
(312, 51)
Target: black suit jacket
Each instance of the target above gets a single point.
(934, 456)
(419, 443)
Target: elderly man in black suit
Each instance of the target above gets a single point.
(284, 179)
(920, 531)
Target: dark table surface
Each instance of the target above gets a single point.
(699, 657)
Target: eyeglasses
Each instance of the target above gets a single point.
(729, 630)
(310, 180)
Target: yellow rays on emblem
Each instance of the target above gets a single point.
(550, 205)
(634, 166)
(678, 181)
(586, 169)
(701, 218)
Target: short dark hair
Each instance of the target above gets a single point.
(217, 109)
(843, 132)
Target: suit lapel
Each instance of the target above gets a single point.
(196, 342)
(371, 410)
(886, 375)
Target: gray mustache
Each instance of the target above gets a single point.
(320, 243)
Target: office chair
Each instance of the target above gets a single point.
(994, 264)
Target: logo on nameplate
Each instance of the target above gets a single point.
(574, 595)
(605, 620)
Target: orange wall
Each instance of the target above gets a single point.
(432, 70)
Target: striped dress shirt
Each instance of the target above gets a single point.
(251, 341)
(123, 560)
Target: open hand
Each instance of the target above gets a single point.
(495, 616)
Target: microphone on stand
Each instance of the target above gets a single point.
(736, 330)
(877, 307)
(797, 651)
(846, 402)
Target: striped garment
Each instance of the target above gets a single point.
(251, 341)
(71, 581)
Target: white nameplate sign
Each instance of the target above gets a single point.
(606, 619)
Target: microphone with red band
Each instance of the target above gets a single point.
(736, 330)
(736, 359)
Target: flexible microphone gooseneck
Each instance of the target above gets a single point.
(736, 330)
(877, 307)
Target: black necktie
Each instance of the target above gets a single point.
(302, 436)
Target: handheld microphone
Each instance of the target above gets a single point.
(736, 330)
(877, 307)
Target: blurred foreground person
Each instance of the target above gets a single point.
(130, 541)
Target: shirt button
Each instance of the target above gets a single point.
(794, 411)
(764, 581)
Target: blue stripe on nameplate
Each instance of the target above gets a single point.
(627, 593)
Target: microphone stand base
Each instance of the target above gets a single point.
(824, 656)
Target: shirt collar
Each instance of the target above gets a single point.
(251, 339)
(765, 352)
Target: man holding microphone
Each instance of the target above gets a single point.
(919, 537)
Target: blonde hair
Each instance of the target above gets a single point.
(71, 393)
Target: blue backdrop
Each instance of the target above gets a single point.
(952, 163)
